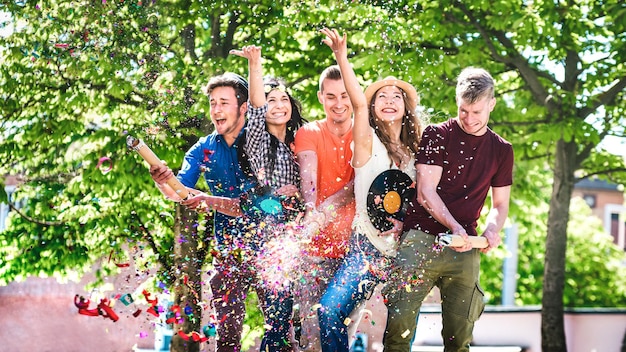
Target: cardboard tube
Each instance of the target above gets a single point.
(457, 241)
(148, 155)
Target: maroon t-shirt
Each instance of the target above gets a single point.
(471, 165)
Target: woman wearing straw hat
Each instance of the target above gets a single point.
(386, 135)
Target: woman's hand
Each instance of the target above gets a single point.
(255, 73)
(288, 191)
(338, 43)
(395, 231)
(250, 52)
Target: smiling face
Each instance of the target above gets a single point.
(334, 97)
(473, 117)
(278, 108)
(227, 117)
(389, 104)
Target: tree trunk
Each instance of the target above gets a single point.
(552, 324)
(187, 271)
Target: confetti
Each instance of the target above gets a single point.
(105, 164)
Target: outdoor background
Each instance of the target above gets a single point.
(78, 77)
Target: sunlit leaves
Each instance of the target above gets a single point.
(78, 77)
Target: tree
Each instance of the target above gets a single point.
(595, 274)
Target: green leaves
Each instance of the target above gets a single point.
(78, 77)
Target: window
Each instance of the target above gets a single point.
(590, 199)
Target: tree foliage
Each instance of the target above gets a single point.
(78, 77)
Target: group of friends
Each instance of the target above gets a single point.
(262, 146)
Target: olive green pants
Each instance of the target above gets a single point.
(421, 265)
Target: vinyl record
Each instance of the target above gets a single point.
(264, 204)
(389, 196)
(270, 205)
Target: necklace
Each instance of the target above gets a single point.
(399, 155)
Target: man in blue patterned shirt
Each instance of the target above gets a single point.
(215, 157)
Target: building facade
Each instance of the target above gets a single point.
(606, 201)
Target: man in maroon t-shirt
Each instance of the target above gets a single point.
(458, 162)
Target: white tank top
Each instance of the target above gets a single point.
(363, 177)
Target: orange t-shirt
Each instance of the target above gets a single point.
(333, 173)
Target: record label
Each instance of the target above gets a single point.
(389, 196)
(270, 205)
(259, 201)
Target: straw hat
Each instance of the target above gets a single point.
(410, 91)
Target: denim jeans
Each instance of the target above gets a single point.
(230, 285)
(353, 282)
(278, 316)
(315, 279)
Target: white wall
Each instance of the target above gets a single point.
(586, 330)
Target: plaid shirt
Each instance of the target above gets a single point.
(276, 170)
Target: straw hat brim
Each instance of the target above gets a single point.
(410, 91)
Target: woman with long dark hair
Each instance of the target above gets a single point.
(274, 116)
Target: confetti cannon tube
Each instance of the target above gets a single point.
(148, 155)
(445, 239)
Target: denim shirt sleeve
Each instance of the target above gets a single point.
(191, 168)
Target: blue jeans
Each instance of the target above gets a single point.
(278, 315)
(353, 282)
(235, 274)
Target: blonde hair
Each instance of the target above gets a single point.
(474, 84)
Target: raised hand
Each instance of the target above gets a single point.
(255, 73)
(338, 43)
(250, 52)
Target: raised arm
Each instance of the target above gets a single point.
(361, 131)
(255, 73)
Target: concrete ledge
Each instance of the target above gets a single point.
(473, 349)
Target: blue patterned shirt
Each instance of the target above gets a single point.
(214, 158)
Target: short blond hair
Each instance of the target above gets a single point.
(474, 84)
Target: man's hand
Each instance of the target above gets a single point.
(493, 239)
(161, 173)
(197, 202)
(465, 247)
(312, 223)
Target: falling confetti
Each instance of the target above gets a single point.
(105, 165)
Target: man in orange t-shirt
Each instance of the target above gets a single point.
(327, 184)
